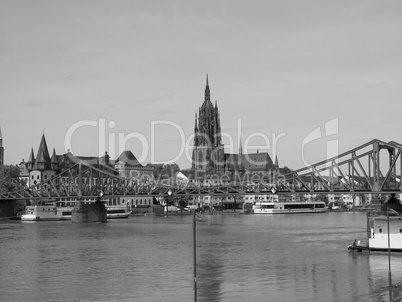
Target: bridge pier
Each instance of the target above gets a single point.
(86, 213)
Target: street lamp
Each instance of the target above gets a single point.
(169, 192)
(195, 256)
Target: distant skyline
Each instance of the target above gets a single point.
(294, 69)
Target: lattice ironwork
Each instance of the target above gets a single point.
(374, 167)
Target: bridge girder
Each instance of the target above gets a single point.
(361, 170)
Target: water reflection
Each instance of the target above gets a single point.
(240, 258)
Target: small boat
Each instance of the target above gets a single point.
(47, 212)
(115, 212)
(377, 234)
(290, 207)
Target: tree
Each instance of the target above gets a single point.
(9, 179)
(164, 170)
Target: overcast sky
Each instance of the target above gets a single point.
(276, 68)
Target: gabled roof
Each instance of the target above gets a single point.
(128, 159)
(257, 161)
(249, 162)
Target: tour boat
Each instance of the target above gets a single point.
(289, 207)
(47, 211)
(114, 212)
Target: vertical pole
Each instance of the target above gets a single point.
(79, 183)
(195, 257)
(376, 166)
(389, 257)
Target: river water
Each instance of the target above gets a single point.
(301, 257)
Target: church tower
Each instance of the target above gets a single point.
(208, 152)
(1, 150)
(42, 167)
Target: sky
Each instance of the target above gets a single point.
(301, 80)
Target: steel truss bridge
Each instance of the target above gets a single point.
(374, 167)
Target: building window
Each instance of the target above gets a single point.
(379, 230)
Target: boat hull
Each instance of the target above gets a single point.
(288, 211)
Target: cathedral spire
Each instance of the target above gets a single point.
(207, 92)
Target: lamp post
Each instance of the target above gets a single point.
(195, 256)
(167, 200)
(389, 257)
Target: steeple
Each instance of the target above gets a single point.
(31, 161)
(43, 161)
(54, 162)
(207, 92)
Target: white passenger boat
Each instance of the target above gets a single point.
(289, 207)
(114, 212)
(47, 211)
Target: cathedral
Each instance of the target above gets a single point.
(208, 151)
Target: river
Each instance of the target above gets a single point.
(301, 257)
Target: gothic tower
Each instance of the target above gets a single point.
(1, 150)
(208, 149)
(42, 167)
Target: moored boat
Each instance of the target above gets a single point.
(377, 234)
(47, 212)
(116, 212)
(384, 228)
(289, 207)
